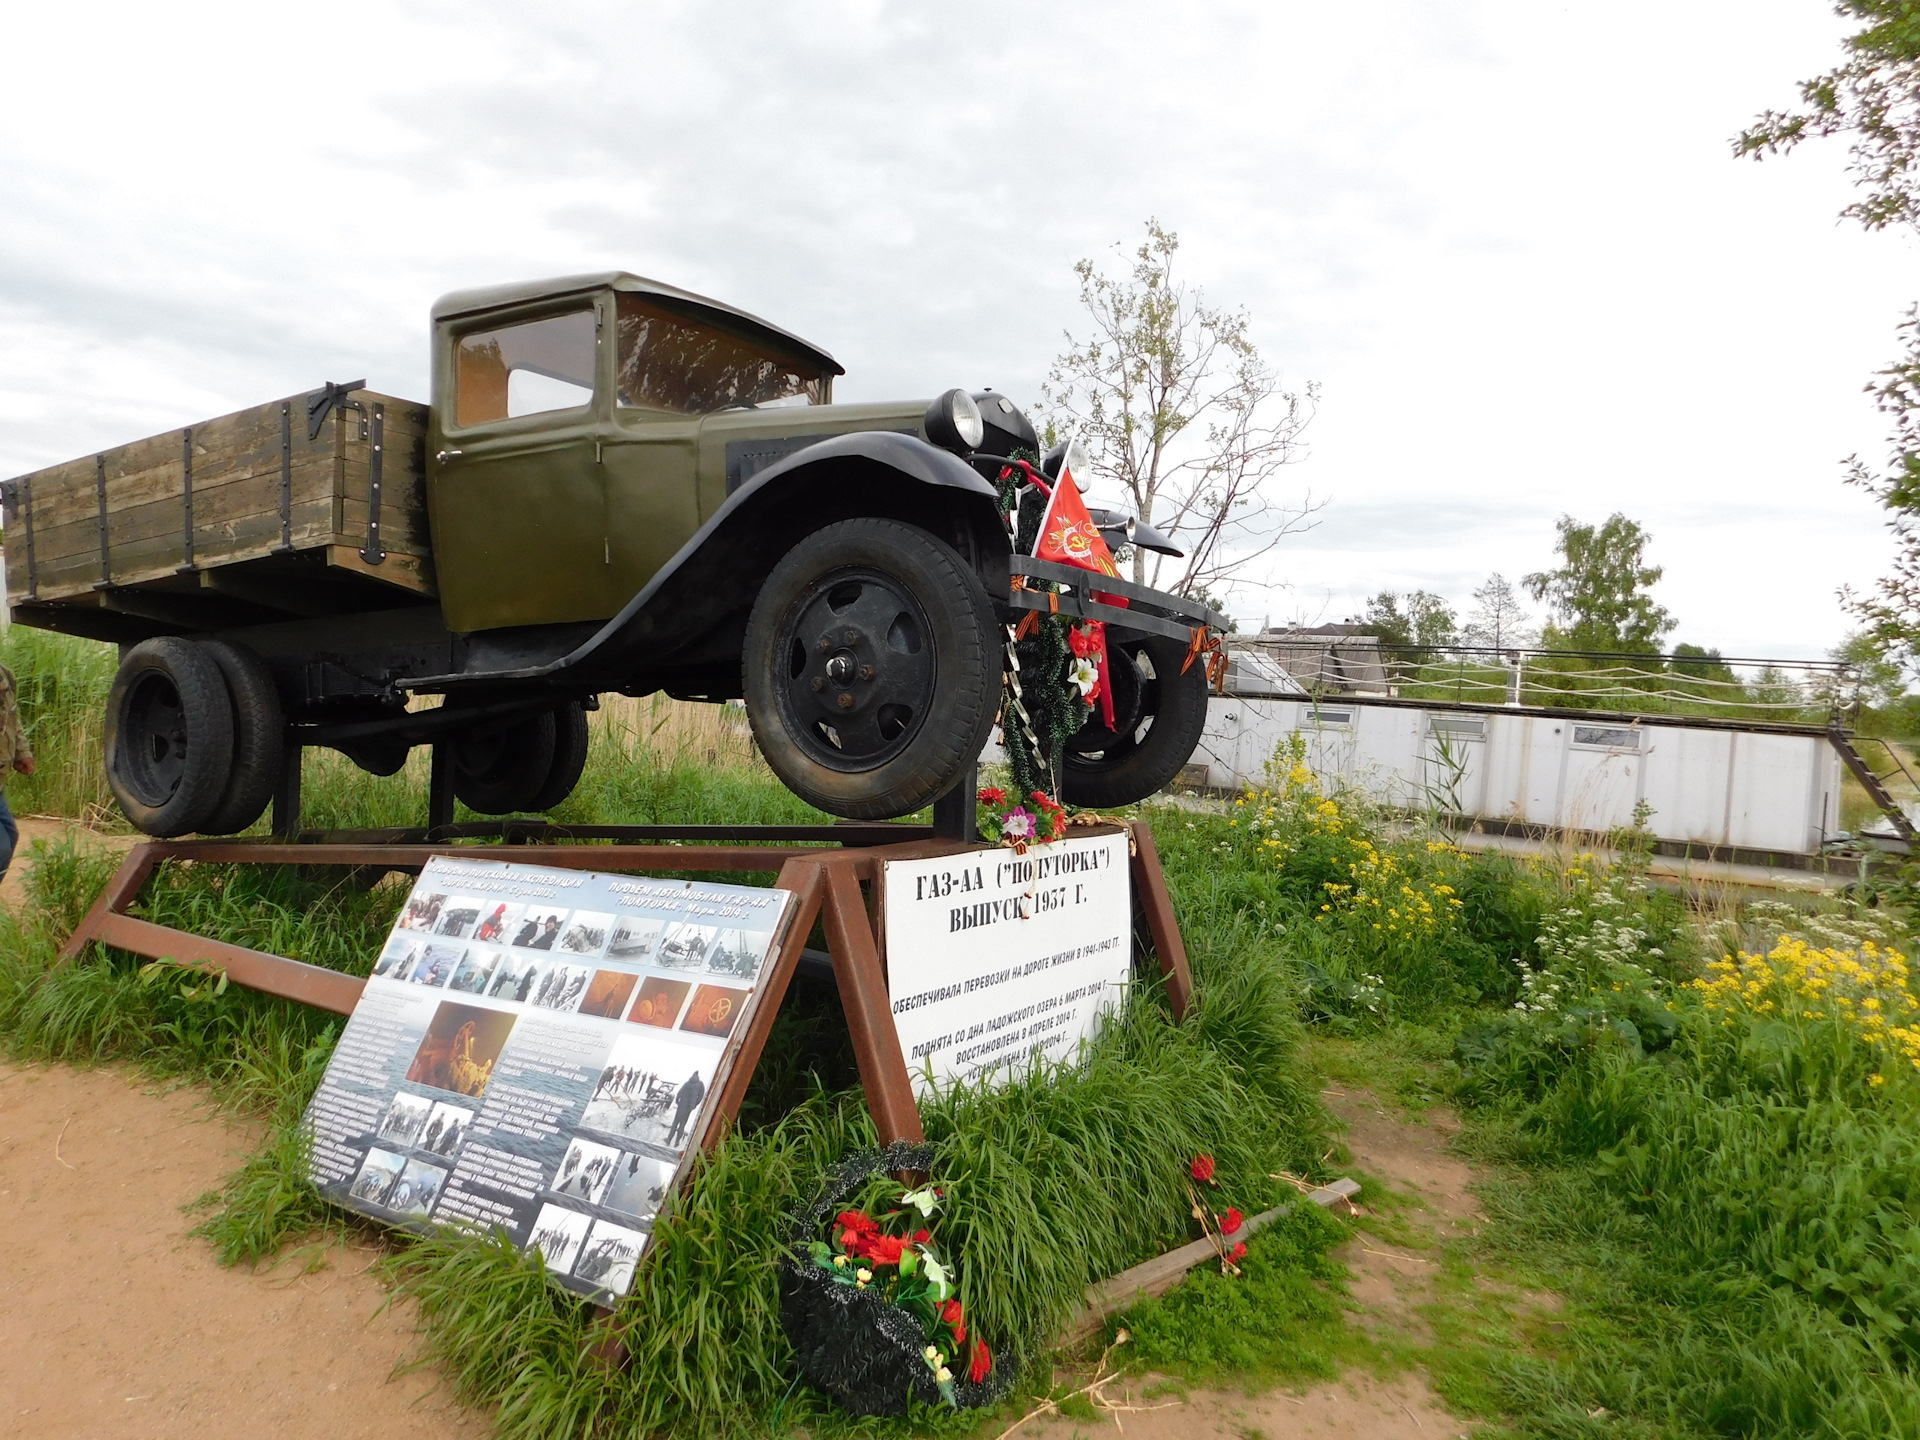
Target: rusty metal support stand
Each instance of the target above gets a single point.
(286, 795)
(955, 814)
(440, 789)
(824, 879)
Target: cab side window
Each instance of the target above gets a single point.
(515, 370)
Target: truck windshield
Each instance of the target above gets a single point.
(671, 361)
(515, 370)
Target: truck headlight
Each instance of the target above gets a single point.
(953, 422)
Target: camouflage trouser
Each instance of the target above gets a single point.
(9, 834)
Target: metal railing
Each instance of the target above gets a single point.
(1811, 692)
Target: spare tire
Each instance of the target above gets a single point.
(169, 736)
(1160, 711)
(259, 738)
(502, 767)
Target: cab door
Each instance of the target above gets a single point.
(517, 496)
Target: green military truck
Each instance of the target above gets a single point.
(618, 487)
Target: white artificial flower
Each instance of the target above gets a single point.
(1084, 674)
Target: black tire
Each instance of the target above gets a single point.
(570, 740)
(1158, 716)
(871, 669)
(259, 738)
(169, 736)
(500, 768)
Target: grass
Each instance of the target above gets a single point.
(1725, 1196)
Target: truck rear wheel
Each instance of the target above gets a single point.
(169, 736)
(1159, 713)
(871, 669)
(259, 738)
(501, 768)
(570, 740)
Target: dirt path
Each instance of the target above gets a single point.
(114, 1321)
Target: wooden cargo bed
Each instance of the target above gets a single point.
(257, 516)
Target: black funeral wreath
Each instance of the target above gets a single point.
(866, 1352)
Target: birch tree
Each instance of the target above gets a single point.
(1179, 411)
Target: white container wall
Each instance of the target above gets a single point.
(1745, 789)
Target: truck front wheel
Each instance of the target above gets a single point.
(872, 669)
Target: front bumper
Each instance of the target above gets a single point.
(1150, 611)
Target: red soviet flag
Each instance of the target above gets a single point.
(1067, 536)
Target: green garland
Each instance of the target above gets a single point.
(1054, 706)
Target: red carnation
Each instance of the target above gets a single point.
(1202, 1168)
(921, 1237)
(857, 1221)
(1239, 1251)
(1231, 1221)
(982, 1362)
(951, 1313)
(992, 795)
(883, 1249)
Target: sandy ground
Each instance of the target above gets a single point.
(114, 1321)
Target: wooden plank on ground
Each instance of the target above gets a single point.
(1163, 1272)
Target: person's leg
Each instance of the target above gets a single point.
(9, 835)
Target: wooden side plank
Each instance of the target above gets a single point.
(236, 488)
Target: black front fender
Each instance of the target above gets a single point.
(684, 629)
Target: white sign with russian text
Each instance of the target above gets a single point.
(994, 957)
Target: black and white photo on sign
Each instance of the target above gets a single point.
(557, 1234)
(377, 1174)
(684, 946)
(586, 1171)
(459, 916)
(514, 978)
(561, 987)
(499, 923)
(608, 1257)
(437, 964)
(651, 1091)
(406, 1117)
(586, 933)
(422, 912)
(397, 959)
(539, 927)
(417, 1188)
(639, 1185)
(445, 1128)
(476, 970)
(634, 937)
(737, 953)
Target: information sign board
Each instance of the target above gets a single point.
(993, 957)
(535, 1053)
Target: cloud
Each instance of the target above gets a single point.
(1525, 289)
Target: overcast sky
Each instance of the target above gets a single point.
(1506, 239)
